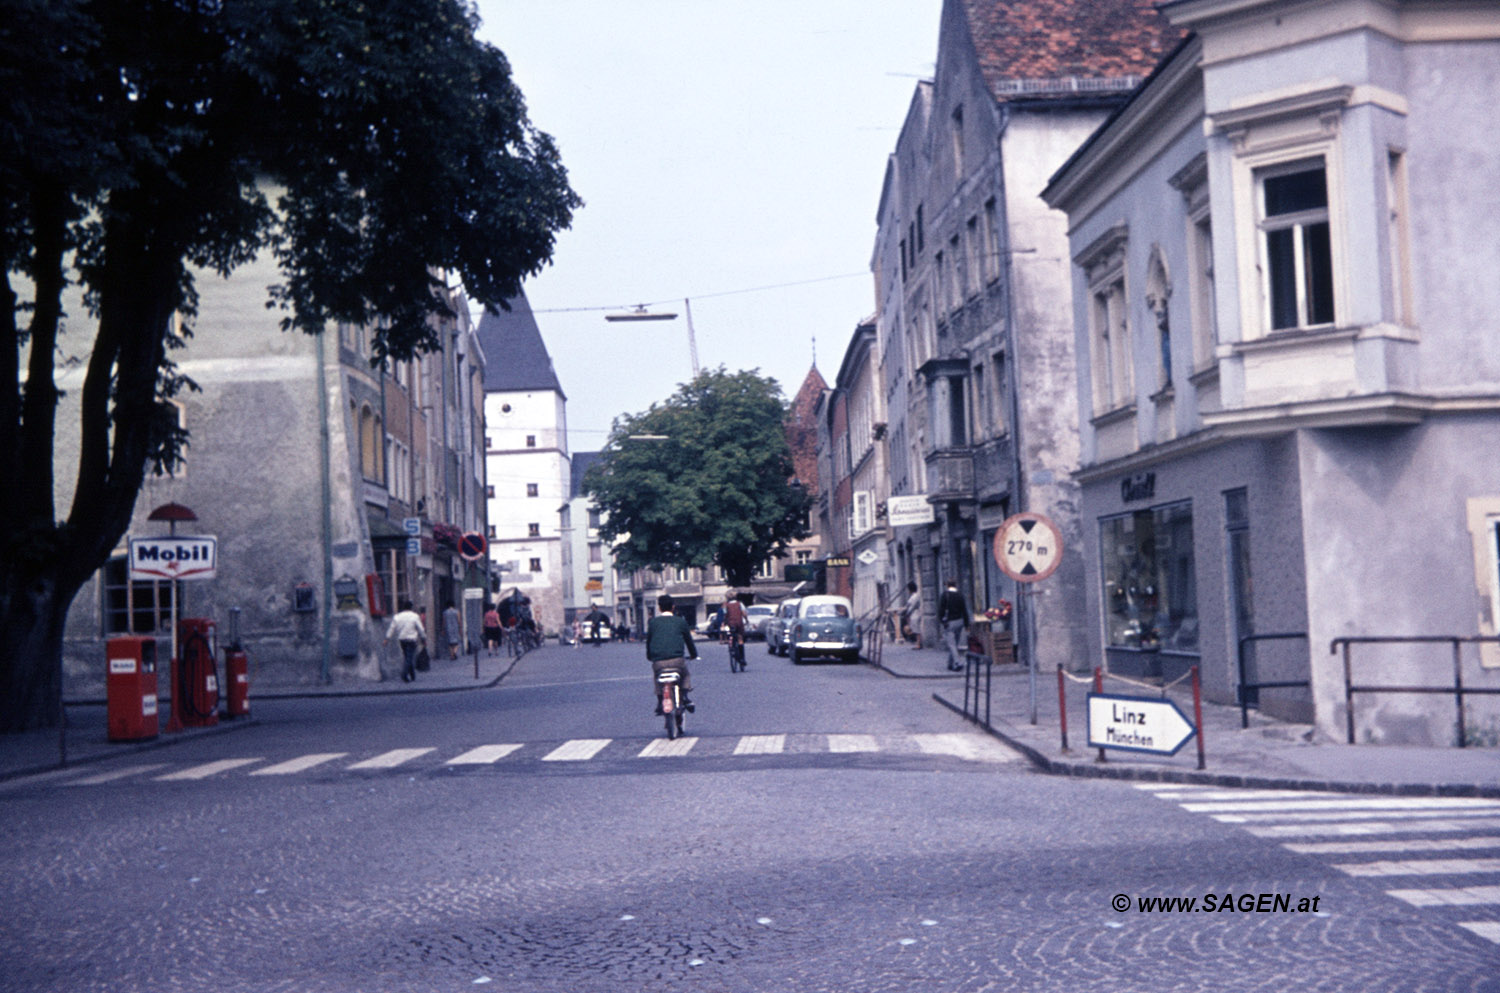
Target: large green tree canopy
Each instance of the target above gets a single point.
(703, 477)
(368, 144)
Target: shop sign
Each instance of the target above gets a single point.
(175, 557)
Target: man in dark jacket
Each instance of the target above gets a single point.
(953, 616)
(668, 639)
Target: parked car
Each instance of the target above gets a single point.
(758, 616)
(778, 626)
(824, 626)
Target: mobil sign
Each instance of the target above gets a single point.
(175, 557)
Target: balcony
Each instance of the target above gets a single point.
(950, 475)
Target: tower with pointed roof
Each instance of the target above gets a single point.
(526, 460)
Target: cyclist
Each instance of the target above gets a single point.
(735, 619)
(668, 638)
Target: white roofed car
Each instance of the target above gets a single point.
(824, 627)
(756, 618)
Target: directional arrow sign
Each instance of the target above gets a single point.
(1137, 724)
(1028, 547)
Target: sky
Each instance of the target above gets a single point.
(730, 154)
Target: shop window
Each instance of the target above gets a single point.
(1150, 586)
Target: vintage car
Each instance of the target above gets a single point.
(777, 626)
(823, 627)
(759, 616)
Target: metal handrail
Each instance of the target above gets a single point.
(1458, 689)
(1244, 698)
(977, 667)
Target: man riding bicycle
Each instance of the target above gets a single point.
(668, 639)
(735, 619)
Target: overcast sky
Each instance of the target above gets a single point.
(720, 146)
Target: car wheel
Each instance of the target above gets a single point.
(796, 656)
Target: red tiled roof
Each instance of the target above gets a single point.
(1046, 48)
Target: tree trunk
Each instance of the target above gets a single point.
(33, 610)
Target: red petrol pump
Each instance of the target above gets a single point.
(195, 686)
(236, 671)
(130, 688)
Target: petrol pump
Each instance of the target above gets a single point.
(195, 689)
(130, 688)
(236, 671)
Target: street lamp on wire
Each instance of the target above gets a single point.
(640, 313)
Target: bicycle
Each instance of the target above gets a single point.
(736, 649)
(670, 682)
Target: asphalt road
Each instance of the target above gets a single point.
(823, 828)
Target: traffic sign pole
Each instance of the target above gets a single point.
(1028, 548)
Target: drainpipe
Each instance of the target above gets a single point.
(325, 673)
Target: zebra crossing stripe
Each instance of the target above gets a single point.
(1468, 896)
(663, 748)
(577, 750)
(1434, 803)
(391, 759)
(842, 743)
(975, 748)
(206, 770)
(1420, 867)
(1385, 825)
(483, 755)
(1346, 815)
(1393, 845)
(761, 744)
(1489, 930)
(301, 764)
(109, 777)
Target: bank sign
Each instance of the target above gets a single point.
(178, 557)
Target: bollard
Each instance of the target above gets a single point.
(1062, 708)
(1099, 688)
(1198, 716)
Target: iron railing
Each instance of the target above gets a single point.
(1458, 689)
(1247, 687)
(978, 669)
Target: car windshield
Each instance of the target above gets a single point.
(827, 610)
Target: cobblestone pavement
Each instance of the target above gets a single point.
(808, 868)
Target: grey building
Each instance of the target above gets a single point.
(975, 335)
(1289, 360)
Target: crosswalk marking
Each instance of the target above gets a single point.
(1464, 896)
(577, 750)
(1394, 845)
(301, 764)
(1388, 826)
(761, 744)
(1383, 826)
(109, 777)
(1485, 929)
(665, 748)
(484, 755)
(975, 748)
(1419, 867)
(392, 758)
(206, 770)
(842, 743)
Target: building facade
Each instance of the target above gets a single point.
(526, 455)
(972, 284)
(327, 481)
(1290, 360)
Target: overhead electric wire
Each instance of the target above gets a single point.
(699, 296)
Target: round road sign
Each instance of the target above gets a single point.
(1028, 547)
(471, 546)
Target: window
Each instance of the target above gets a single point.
(958, 143)
(1110, 348)
(1150, 587)
(493, 534)
(531, 441)
(536, 565)
(1205, 319)
(371, 445)
(596, 554)
(489, 491)
(960, 288)
(861, 517)
(533, 530)
(991, 245)
(975, 255)
(940, 282)
(1296, 250)
(141, 607)
(531, 489)
(593, 518)
(999, 408)
(920, 236)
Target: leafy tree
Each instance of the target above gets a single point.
(704, 477)
(367, 145)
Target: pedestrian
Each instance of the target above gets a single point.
(953, 616)
(452, 629)
(909, 629)
(492, 631)
(406, 627)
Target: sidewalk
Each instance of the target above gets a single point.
(1269, 754)
(85, 738)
